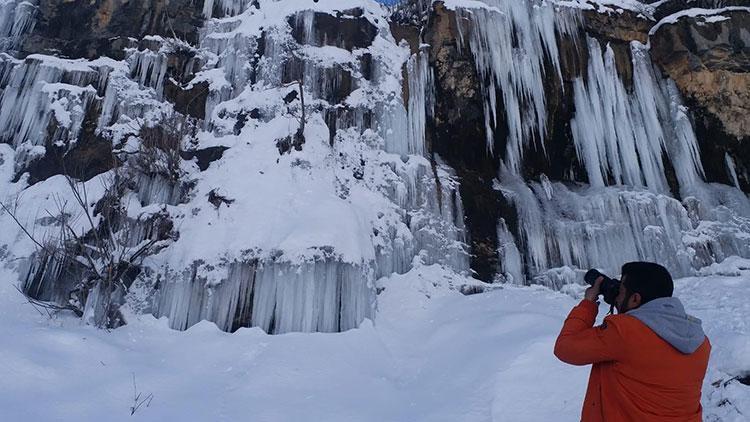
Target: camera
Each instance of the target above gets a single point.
(610, 287)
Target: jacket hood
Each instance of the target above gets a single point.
(667, 318)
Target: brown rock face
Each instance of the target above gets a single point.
(709, 59)
(620, 26)
(618, 29)
(95, 28)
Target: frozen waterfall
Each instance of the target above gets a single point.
(622, 138)
(277, 297)
(635, 143)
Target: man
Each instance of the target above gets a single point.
(649, 360)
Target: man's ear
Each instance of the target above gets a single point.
(636, 300)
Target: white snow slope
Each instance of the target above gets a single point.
(431, 354)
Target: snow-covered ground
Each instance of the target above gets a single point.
(431, 354)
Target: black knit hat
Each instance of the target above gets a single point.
(647, 278)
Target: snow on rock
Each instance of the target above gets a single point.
(705, 15)
(44, 93)
(275, 232)
(291, 223)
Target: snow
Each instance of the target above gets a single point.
(609, 6)
(430, 354)
(707, 15)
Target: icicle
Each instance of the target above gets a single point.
(50, 279)
(227, 7)
(127, 105)
(596, 227)
(305, 21)
(509, 41)
(277, 297)
(618, 135)
(731, 170)
(236, 51)
(156, 189)
(435, 215)
(421, 104)
(17, 18)
(208, 8)
(681, 142)
(621, 137)
(149, 69)
(511, 263)
(36, 108)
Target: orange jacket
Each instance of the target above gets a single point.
(636, 376)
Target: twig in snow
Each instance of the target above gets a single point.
(137, 400)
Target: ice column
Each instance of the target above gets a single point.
(227, 7)
(618, 135)
(597, 227)
(732, 170)
(149, 68)
(421, 101)
(621, 137)
(35, 101)
(16, 20)
(234, 52)
(325, 296)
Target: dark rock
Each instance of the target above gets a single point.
(291, 97)
(348, 30)
(669, 7)
(715, 144)
(408, 33)
(90, 29)
(189, 102)
(91, 155)
(295, 141)
(365, 66)
(458, 136)
(332, 84)
(240, 123)
(622, 26)
(204, 157)
(217, 199)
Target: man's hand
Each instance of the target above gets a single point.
(592, 293)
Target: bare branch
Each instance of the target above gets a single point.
(47, 305)
(137, 401)
(28, 234)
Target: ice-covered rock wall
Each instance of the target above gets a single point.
(285, 155)
(599, 162)
(281, 147)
